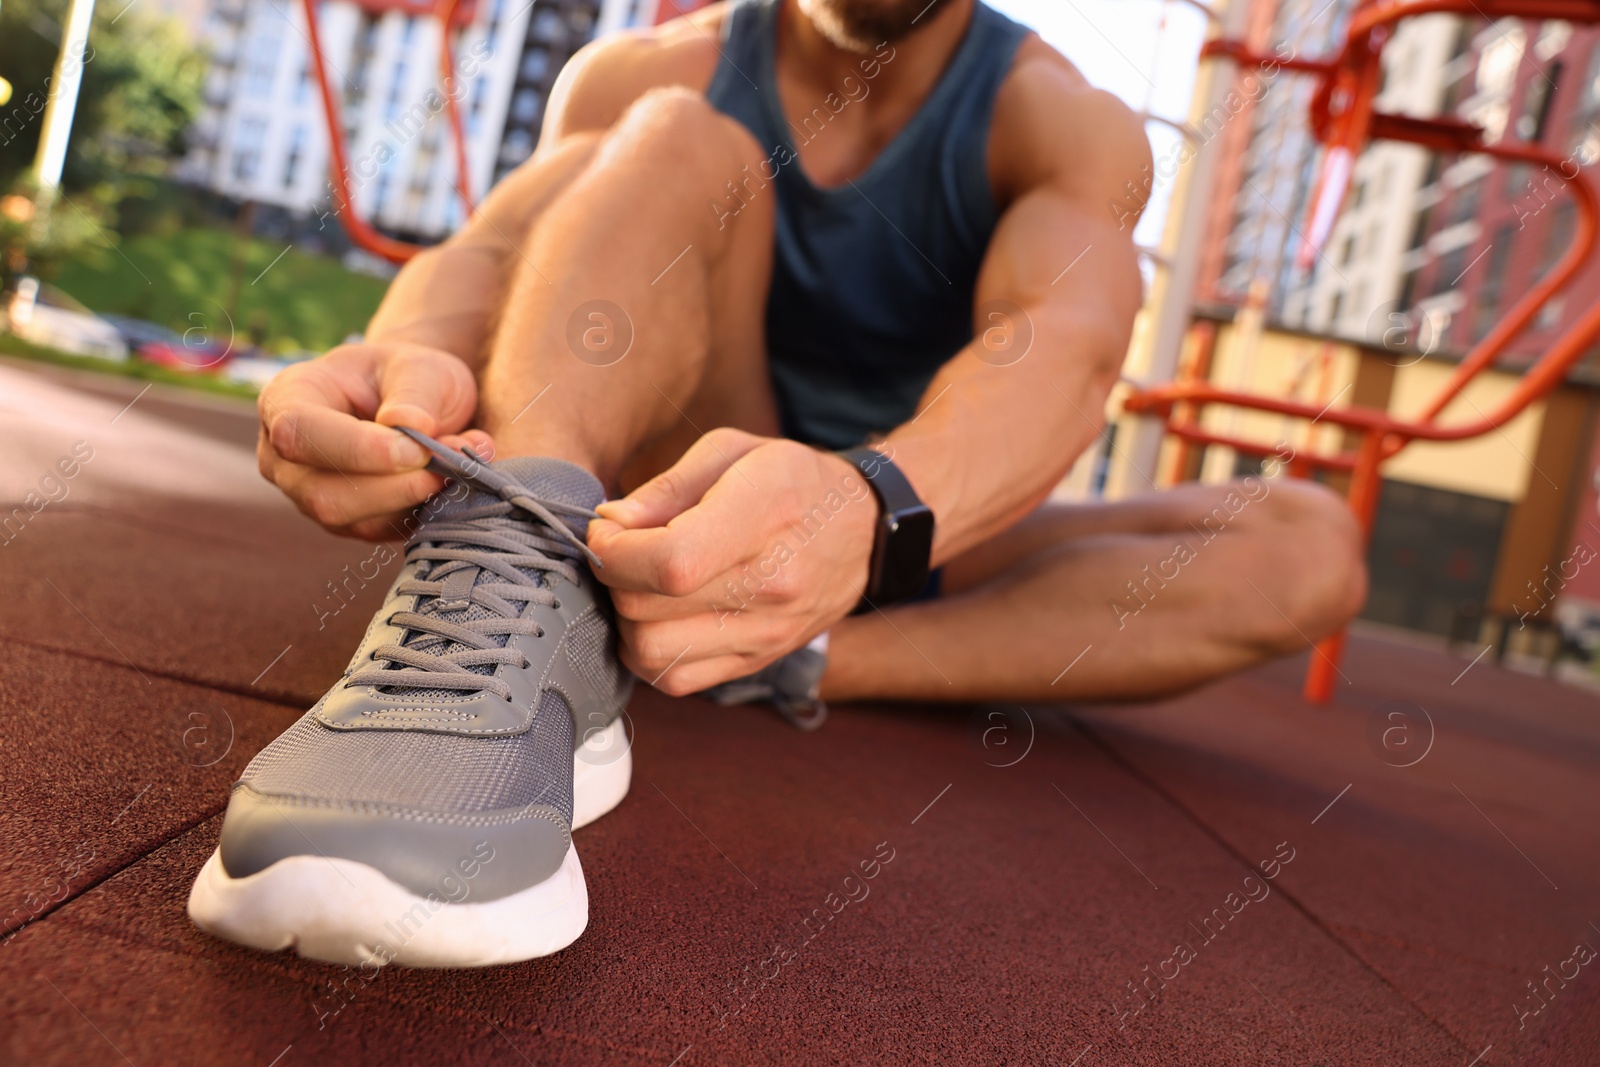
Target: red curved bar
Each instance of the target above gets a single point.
(362, 234)
(1342, 117)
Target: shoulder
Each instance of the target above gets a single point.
(1052, 127)
(604, 77)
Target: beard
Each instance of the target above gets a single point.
(861, 25)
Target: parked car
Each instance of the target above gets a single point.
(136, 332)
(190, 350)
(43, 315)
(188, 354)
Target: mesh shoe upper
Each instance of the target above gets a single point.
(427, 771)
(493, 596)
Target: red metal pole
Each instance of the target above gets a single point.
(363, 235)
(1365, 485)
(458, 134)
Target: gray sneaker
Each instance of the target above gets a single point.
(789, 683)
(421, 812)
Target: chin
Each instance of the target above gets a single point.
(862, 25)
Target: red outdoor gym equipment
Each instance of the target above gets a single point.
(1343, 118)
(450, 14)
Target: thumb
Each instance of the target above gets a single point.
(428, 390)
(680, 487)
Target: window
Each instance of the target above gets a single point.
(1500, 58)
(1464, 203)
(1452, 265)
(355, 89)
(535, 65)
(1408, 291)
(248, 137)
(1455, 93)
(1435, 169)
(525, 107)
(262, 66)
(517, 147)
(380, 197)
(1583, 140)
(402, 71)
(1420, 228)
(1536, 101)
(1486, 308)
(548, 27)
(1517, 179)
(291, 166)
(1563, 221)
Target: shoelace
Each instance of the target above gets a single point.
(508, 538)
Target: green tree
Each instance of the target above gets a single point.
(141, 91)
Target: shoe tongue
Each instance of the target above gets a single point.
(548, 480)
(554, 479)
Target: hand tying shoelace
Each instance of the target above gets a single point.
(481, 565)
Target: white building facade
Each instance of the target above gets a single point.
(1354, 287)
(263, 136)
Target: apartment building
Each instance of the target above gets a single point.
(1353, 288)
(1268, 163)
(1483, 234)
(263, 139)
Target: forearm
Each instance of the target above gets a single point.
(447, 297)
(991, 442)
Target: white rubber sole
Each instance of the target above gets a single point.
(602, 769)
(342, 911)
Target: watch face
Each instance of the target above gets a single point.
(907, 550)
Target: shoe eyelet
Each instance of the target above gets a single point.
(556, 605)
(539, 632)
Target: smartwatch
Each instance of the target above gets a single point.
(902, 543)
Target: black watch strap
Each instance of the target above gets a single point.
(902, 544)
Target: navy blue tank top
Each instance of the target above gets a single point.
(872, 281)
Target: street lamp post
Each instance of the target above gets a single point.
(62, 101)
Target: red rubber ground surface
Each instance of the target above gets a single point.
(161, 623)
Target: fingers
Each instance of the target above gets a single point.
(425, 389)
(478, 440)
(684, 657)
(339, 500)
(312, 435)
(328, 438)
(337, 412)
(681, 486)
(732, 524)
(666, 560)
(712, 598)
(686, 678)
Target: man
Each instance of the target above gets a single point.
(757, 234)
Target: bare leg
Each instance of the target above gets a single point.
(1266, 580)
(635, 320)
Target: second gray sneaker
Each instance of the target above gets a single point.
(421, 812)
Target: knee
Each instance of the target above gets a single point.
(1319, 548)
(681, 125)
(673, 108)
